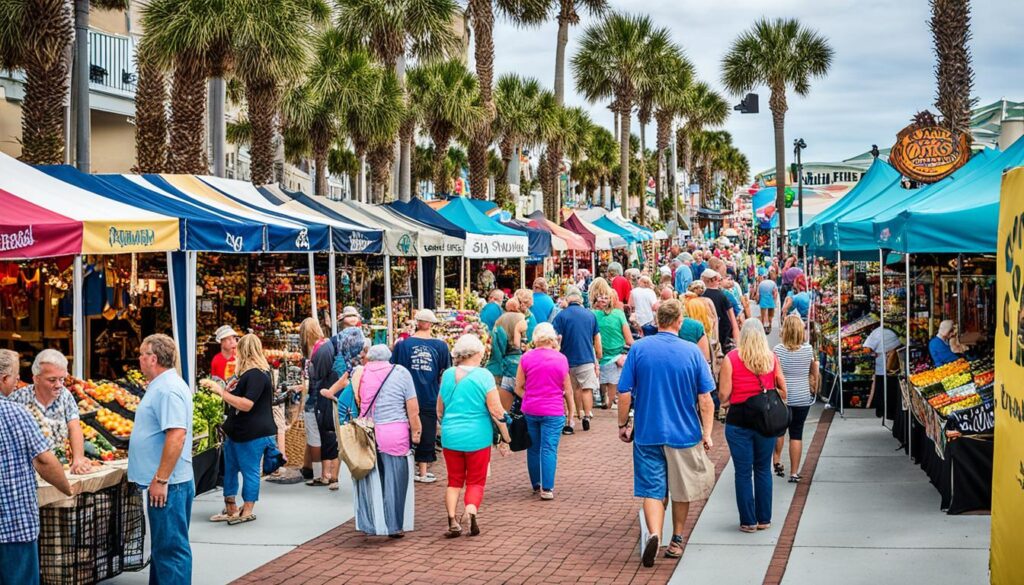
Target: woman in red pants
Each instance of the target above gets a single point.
(466, 405)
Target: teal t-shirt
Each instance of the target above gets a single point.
(466, 424)
(692, 330)
(613, 343)
(531, 324)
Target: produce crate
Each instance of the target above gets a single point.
(206, 469)
(96, 538)
(114, 440)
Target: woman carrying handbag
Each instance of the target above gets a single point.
(752, 373)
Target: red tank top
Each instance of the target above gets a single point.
(744, 382)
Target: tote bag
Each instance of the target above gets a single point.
(357, 442)
(766, 412)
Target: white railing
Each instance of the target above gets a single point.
(112, 64)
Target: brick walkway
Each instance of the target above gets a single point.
(588, 534)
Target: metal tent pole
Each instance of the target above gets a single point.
(387, 296)
(312, 286)
(419, 281)
(78, 318)
(190, 316)
(440, 267)
(910, 416)
(881, 327)
(462, 282)
(959, 292)
(522, 273)
(332, 290)
(839, 325)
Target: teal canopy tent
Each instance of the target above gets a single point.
(610, 226)
(485, 237)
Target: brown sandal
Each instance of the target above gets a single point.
(454, 529)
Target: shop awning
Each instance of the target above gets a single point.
(962, 216)
(640, 233)
(274, 194)
(419, 211)
(347, 236)
(199, 229)
(485, 238)
(573, 241)
(541, 242)
(599, 238)
(610, 226)
(107, 227)
(30, 231)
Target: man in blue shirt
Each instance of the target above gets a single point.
(426, 359)
(684, 274)
(939, 346)
(699, 266)
(160, 459)
(543, 304)
(492, 310)
(670, 440)
(581, 344)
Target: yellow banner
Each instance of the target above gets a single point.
(1008, 466)
(120, 237)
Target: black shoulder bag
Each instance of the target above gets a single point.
(767, 413)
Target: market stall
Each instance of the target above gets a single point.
(454, 240)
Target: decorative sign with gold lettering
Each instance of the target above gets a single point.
(926, 152)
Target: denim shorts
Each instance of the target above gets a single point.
(650, 472)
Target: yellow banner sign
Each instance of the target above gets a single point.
(929, 153)
(1008, 465)
(126, 236)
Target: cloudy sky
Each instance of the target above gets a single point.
(881, 75)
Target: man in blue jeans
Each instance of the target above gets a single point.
(22, 449)
(670, 439)
(160, 460)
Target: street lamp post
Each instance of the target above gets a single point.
(798, 146)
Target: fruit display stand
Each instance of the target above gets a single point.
(841, 320)
(953, 421)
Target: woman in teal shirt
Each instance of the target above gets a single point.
(466, 404)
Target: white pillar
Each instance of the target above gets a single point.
(78, 321)
(462, 282)
(440, 267)
(332, 288)
(881, 326)
(910, 415)
(312, 286)
(419, 281)
(190, 316)
(522, 273)
(839, 326)
(387, 296)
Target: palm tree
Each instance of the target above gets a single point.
(951, 31)
(668, 106)
(393, 29)
(780, 54)
(603, 152)
(708, 149)
(569, 133)
(150, 113)
(666, 65)
(611, 64)
(518, 122)
(372, 122)
(568, 14)
(445, 98)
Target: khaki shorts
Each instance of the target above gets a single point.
(691, 474)
(312, 431)
(584, 377)
(279, 418)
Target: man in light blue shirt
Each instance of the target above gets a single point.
(543, 305)
(684, 274)
(492, 310)
(160, 459)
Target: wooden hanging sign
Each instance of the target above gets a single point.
(927, 152)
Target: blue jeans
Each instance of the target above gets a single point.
(19, 562)
(244, 457)
(751, 457)
(171, 560)
(542, 456)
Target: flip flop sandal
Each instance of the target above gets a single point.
(795, 478)
(241, 519)
(317, 482)
(454, 528)
(764, 526)
(780, 470)
(675, 547)
(333, 486)
(222, 517)
(748, 529)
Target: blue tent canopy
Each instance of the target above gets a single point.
(485, 237)
(961, 217)
(610, 226)
(646, 233)
(485, 207)
(423, 213)
(540, 240)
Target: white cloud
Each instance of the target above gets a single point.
(881, 76)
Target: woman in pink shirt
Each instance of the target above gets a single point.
(542, 381)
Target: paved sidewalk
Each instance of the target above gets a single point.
(588, 534)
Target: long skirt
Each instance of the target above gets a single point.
(384, 499)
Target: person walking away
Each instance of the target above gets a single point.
(684, 274)
(543, 308)
(642, 300)
(619, 282)
(492, 310)
(311, 337)
(799, 300)
(735, 296)
(670, 439)
(160, 460)
(728, 330)
(467, 405)
(223, 365)
(386, 393)
(9, 379)
(745, 371)
(883, 342)
(249, 428)
(48, 397)
(542, 382)
(507, 341)
(525, 298)
(332, 374)
(800, 369)
(580, 340)
(767, 293)
(693, 330)
(615, 339)
(425, 359)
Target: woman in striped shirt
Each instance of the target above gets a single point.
(802, 379)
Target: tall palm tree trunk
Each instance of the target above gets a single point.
(261, 97)
(187, 151)
(381, 159)
(48, 58)
(321, 142)
(150, 119)
(643, 171)
(405, 134)
(483, 26)
(777, 104)
(440, 140)
(624, 120)
(563, 40)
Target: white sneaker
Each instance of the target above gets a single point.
(428, 478)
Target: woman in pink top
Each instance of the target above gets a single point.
(386, 393)
(745, 371)
(542, 382)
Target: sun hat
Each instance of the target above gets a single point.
(425, 315)
(223, 332)
(350, 312)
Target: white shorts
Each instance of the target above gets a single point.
(610, 372)
(312, 431)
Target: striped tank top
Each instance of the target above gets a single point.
(796, 368)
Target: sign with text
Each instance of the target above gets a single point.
(480, 246)
(1008, 462)
(929, 153)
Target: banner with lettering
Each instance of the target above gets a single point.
(121, 237)
(1008, 463)
(30, 231)
(480, 246)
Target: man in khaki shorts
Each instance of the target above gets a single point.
(670, 439)
(581, 344)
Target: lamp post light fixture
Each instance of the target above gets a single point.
(798, 146)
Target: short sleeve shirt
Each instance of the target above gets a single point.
(490, 314)
(57, 415)
(425, 360)
(643, 302)
(722, 308)
(545, 370)
(222, 367)
(665, 398)
(258, 422)
(578, 327)
(543, 305)
(683, 278)
(613, 342)
(691, 330)
(466, 421)
(622, 288)
(881, 341)
(166, 405)
(321, 373)
(21, 442)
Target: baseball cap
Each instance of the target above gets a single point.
(710, 274)
(223, 332)
(425, 315)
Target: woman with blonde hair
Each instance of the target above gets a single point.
(616, 338)
(694, 331)
(747, 371)
(250, 430)
(544, 386)
(466, 406)
(800, 369)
